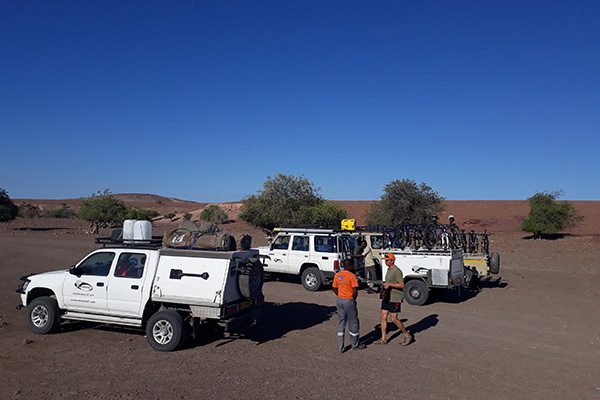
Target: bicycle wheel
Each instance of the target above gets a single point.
(429, 238)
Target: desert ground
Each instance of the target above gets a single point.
(530, 332)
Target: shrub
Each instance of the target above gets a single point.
(141, 214)
(169, 216)
(548, 216)
(187, 216)
(8, 209)
(63, 212)
(29, 210)
(213, 213)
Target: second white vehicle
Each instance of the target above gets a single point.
(315, 255)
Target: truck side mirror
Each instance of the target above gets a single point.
(75, 270)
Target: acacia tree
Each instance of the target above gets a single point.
(8, 209)
(402, 199)
(102, 210)
(289, 201)
(548, 216)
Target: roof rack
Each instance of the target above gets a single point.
(310, 230)
(154, 243)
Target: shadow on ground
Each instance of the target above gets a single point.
(392, 330)
(278, 319)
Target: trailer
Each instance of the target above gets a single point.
(426, 271)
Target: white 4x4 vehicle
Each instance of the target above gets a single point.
(167, 291)
(313, 254)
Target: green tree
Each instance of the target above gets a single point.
(102, 210)
(187, 216)
(213, 213)
(8, 209)
(402, 199)
(288, 201)
(548, 216)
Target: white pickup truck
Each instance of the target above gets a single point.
(169, 292)
(427, 270)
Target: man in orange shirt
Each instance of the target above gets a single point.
(345, 286)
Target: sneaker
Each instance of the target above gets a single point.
(361, 346)
(407, 340)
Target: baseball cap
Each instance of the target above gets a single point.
(389, 256)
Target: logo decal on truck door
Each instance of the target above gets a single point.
(86, 287)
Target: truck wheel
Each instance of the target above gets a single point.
(250, 280)
(311, 279)
(470, 279)
(494, 263)
(165, 331)
(42, 315)
(416, 292)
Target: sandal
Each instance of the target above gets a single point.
(407, 340)
(381, 341)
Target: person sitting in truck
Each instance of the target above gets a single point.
(130, 268)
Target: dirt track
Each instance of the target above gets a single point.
(532, 334)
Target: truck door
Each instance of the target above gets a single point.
(126, 284)
(279, 254)
(85, 290)
(299, 253)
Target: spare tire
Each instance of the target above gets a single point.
(251, 277)
(494, 263)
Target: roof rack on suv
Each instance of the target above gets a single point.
(305, 230)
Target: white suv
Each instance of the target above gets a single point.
(313, 254)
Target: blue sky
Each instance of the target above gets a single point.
(203, 100)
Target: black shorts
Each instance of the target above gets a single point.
(391, 307)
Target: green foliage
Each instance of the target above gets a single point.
(8, 209)
(213, 213)
(169, 216)
(288, 201)
(548, 216)
(187, 216)
(141, 214)
(102, 210)
(63, 212)
(402, 199)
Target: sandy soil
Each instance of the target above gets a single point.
(532, 332)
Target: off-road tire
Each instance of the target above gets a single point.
(311, 279)
(165, 331)
(494, 263)
(43, 315)
(416, 292)
(250, 280)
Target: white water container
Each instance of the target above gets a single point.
(142, 230)
(128, 229)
